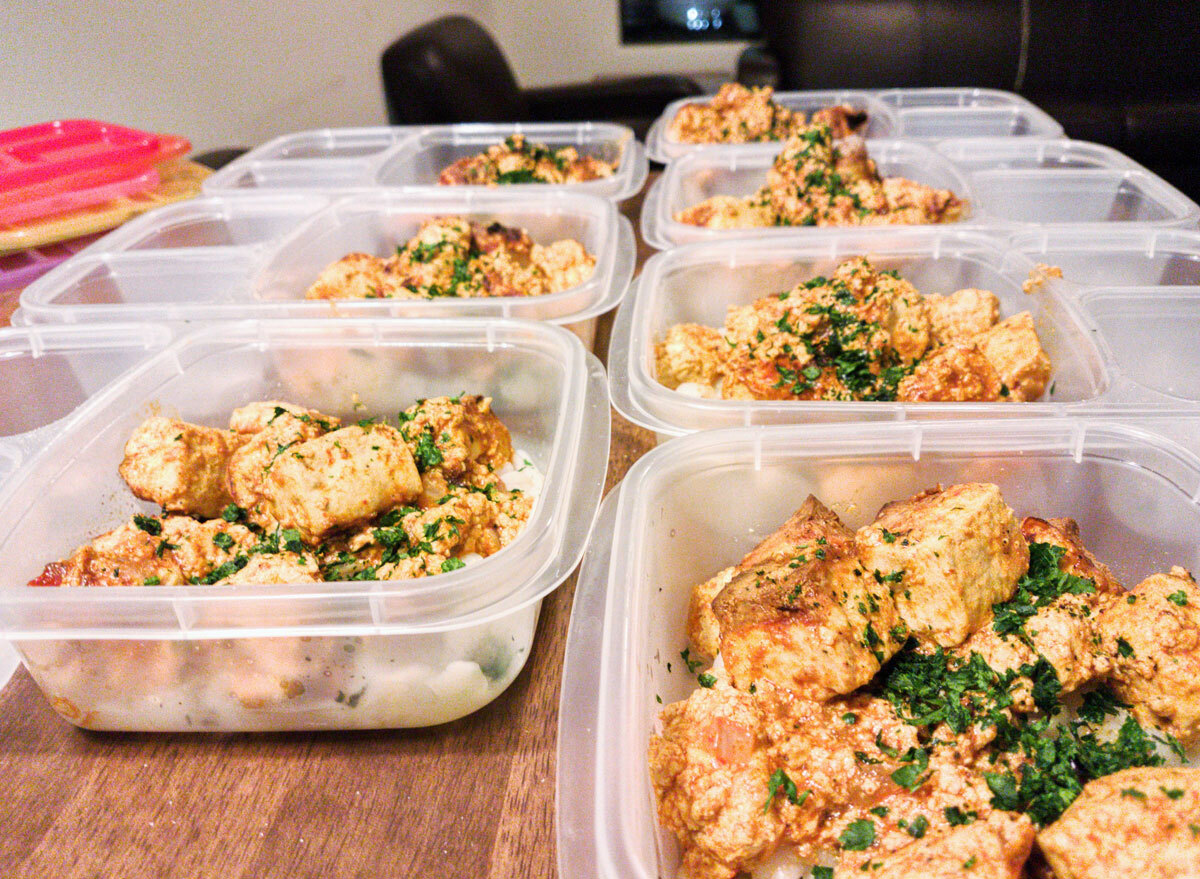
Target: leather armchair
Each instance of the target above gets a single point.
(451, 70)
(1120, 72)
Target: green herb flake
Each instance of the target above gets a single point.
(452, 565)
(858, 835)
(706, 680)
(1173, 793)
(1133, 793)
(778, 781)
(1179, 598)
(223, 540)
(149, 524)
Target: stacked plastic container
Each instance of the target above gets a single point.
(216, 287)
(1113, 443)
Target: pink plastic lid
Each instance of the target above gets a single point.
(48, 204)
(74, 154)
(22, 268)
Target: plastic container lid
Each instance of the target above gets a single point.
(1135, 495)
(1092, 336)
(881, 119)
(937, 113)
(255, 254)
(546, 388)
(358, 158)
(73, 154)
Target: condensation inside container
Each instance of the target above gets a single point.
(1044, 197)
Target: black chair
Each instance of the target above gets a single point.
(451, 70)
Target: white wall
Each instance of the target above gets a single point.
(238, 72)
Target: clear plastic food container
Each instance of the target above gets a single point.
(937, 113)
(255, 255)
(352, 158)
(695, 505)
(1122, 255)
(661, 146)
(742, 170)
(1009, 183)
(354, 654)
(1094, 337)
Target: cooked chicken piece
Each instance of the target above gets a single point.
(842, 119)
(711, 774)
(891, 302)
(457, 437)
(1064, 631)
(735, 114)
(283, 567)
(948, 556)
(256, 417)
(689, 353)
(996, 848)
(1076, 558)
(952, 374)
(812, 621)
(126, 556)
(340, 479)
(516, 161)
(1013, 348)
(1152, 640)
(250, 466)
(962, 315)
(565, 264)
(354, 276)
(1142, 822)
(179, 466)
(727, 212)
(199, 547)
(704, 632)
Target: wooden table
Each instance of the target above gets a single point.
(473, 798)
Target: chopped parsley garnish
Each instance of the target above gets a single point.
(706, 680)
(957, 817)
(692, 664)
(223, 540)
(520, 175)
(916, 828)
(152, 580)
(779, 781)
(1133, 793)
(1124, 648)
(1179, 598)
(427, 454)
(233, 513)
(1173, 793)
(858, 835)
(1040, 586)
(452, 565)
(819, 872)
(149, 524)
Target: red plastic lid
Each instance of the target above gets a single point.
(71, 154)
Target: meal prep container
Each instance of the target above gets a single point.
(697, 504)
(350, 158)
(937, 113)
(255, 254)
(355, 654)
(1131, 255)
(1010, 184)
(1114, 350)
(881, 119)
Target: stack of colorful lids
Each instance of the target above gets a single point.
(64, 182)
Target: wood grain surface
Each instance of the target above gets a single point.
(473, 798)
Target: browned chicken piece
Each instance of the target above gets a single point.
(452, 256)
(736, 114)
(728, 212)
(711, 773)
(1076, 558)
(354, 276)
(892, 303)
(910, 202)
(255, 417)
(689, 353)
(457, 438)
(284, 567)
(250, 466)
(1152, 640)
(962, 315)
(948, 556)
(842, 119)
(199, 547)
(704, 632)
(812, 621)
(1064, 632)
(1013, 348)
(179, 466)
(1142, 822)
(126, 556)
(952, 374)
(787, 347)
(517, 161)
(340, 479)
(996, 848)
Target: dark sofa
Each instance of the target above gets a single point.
(1122, 73)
